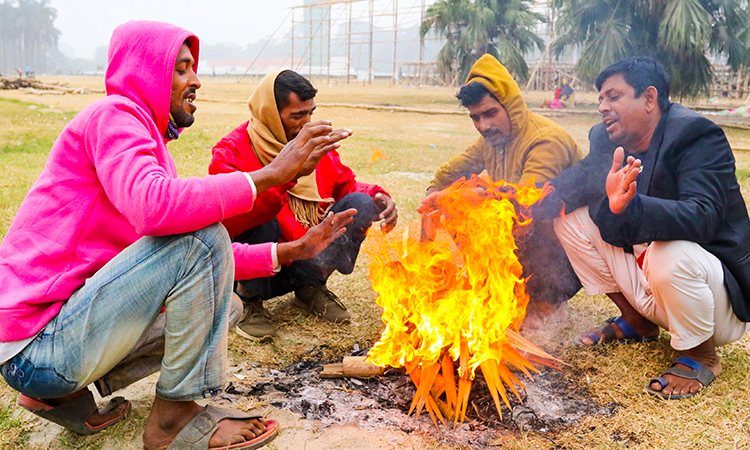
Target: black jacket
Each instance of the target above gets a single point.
(687, 191)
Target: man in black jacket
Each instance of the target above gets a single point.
(655, 220)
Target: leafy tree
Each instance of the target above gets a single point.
(27, 34)
(472, 28)
(682, 34)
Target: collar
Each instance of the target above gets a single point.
(172, 132)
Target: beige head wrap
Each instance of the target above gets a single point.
(268, 138)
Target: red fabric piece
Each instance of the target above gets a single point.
(235, 153)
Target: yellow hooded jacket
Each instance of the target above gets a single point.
(540, 148)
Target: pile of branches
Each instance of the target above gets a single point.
(18, 83)
(33, 86)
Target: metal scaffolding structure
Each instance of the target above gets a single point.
(356, 40)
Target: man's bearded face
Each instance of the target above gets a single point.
(184, 85)
(491, 120)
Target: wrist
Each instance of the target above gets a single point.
(289, 251)
(267, 177)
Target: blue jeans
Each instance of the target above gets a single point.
(114, 315)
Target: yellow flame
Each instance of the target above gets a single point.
(463, 287)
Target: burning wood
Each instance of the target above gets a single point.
(457, 302)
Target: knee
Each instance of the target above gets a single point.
(363, 203)
(216, 241)
(568, 228)
(668, 262)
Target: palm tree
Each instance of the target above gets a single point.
(682, 34)
(472, 28)
(27, 34)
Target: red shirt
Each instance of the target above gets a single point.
(235, 153)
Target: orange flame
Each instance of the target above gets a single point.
(378, 154)
(457, 299)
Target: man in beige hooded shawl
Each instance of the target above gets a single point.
(279, 107)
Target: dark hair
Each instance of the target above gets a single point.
(188, 43)
(289, 81)
(472, 93)
(640, 72)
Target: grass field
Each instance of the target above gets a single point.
(416, 143)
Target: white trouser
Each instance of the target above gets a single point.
(681, 287)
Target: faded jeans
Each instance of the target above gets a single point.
(114, 321)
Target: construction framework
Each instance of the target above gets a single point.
(356, 40)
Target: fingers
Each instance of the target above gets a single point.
(617, 159)
(339, 135)
(333, 223)
(314, 129)
(429, 203)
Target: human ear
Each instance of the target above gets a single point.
(652, 98)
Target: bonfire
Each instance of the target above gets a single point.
(454, 304)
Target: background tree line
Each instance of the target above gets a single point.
(683, 34)
(28, 36)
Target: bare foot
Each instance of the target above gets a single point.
(705, 354)
(167, 418)
(644, 328)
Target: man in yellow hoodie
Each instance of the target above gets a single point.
(517, 146)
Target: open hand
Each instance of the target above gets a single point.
(388, 212)
(334, 137)
(621, 184)
(317, 238)
(287, 164)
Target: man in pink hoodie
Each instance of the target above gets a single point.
(109, 237)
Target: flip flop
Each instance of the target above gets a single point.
(73, 415)
(700, 373)
(196, 434)
(629, 335)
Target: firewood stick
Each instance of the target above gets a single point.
(449, 380)
(491, 383)
(356, 366)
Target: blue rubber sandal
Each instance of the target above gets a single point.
(700, 373)
(629, 335)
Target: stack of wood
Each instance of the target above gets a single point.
(37, 87)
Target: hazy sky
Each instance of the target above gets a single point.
(88, 24)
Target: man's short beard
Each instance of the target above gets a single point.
(182, 119)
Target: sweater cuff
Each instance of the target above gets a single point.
(237, 195)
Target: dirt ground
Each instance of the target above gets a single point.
(416, 143)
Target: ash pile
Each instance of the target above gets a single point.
(549, 403)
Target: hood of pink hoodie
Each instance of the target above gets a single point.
(141, 64)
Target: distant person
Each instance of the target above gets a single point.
(567, 96)
(656, 220)
(517, 146)
(109, 236)
(280, 106)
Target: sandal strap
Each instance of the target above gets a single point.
(628, 332)
(688, 361)
(609, 333)
(197, 433)
(71, 415)
(661, 380)
(703, 375)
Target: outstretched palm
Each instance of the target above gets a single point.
(621, 185)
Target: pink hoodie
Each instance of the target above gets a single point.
(110, 180)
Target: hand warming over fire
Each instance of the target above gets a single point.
(334, 137)
(388, 212)
(621, 184)
(317, 238)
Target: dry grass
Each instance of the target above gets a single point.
(416, 144)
